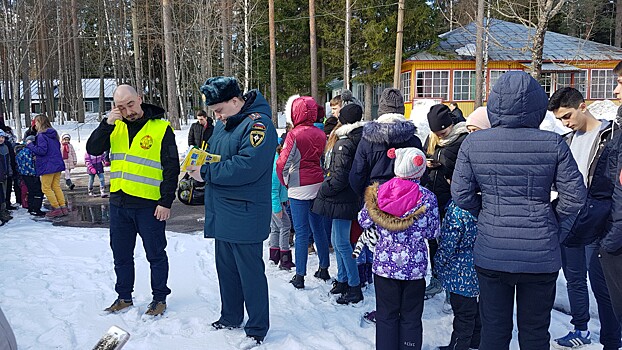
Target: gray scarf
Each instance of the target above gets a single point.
(456, 131)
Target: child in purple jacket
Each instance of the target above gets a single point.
(95, 166)
(404, 214)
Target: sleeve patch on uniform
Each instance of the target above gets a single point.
(258, 126)
(257, 137)
(255, 116)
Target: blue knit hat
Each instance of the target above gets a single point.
(220, 89)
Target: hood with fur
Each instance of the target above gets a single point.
(389, 128)
(384, 219)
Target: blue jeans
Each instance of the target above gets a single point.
(575, 271)
(366, 256)
(346, 264)
(125, 223)
(305, 224)
(102, 181)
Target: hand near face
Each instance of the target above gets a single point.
(113, 116)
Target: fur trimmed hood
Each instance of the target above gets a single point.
(288, 109)
(344, 130)
(386, 220)
(389, 128)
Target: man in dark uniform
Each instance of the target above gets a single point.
(237, 201)
(143, 178)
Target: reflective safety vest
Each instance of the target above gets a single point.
(137, 170)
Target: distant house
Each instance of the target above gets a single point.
(90, 91)
(448, 73)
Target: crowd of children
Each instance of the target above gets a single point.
(35, 166)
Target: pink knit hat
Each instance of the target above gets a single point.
(479, 118)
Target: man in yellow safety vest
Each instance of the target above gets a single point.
(144, 168)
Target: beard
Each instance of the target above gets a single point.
(132, 117)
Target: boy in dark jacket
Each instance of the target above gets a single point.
(6, 172)
(609, 182)
(587, 141)
(504, 176)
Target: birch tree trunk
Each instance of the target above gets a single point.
(273, 100)
(77, 62)
(346, 51)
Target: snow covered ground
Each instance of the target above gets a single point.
(54, 282)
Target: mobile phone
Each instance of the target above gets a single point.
(114, 339)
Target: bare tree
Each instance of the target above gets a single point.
(479, 55)
(138, 66)
(173, 108)
(79, 99)
(618, 35)
(313, 49)
(273, 100)
(544, 11)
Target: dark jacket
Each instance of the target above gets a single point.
(504, 176)
(29, 132)
(457, 116)
(99, 142)
(592, 218)
(336, 199)
(371, 163)
(446, 156)
(6, 170)
(607, 186)
(329, 125)
(238, 204)
(198, 134)
(49, 159)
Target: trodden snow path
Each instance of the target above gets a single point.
(55, 282)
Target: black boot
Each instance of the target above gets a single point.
(354, 295)
(322, 273)
(339, 287)
(362, 275)
(298, 281)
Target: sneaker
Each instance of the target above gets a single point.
(118, 305)
(573, 340)
(322, 273)
(91, 193)
(219, 325)
(311, 249)
(156, 308)
(36, 212)
(433, 288)
(370, 317)
(65, 210)
(10, 207)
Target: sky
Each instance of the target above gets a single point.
(55, 281)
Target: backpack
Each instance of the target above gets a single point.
(191, 191)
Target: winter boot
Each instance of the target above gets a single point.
(298, 281)
(286, 260)
(65, 210)
(156, 308)
(433, 288)
(102, 193)
(339, 288)
(218, 325)
(4, 213)
(354, 295)
(54, 213)
(69, 184)
(369, 273)
(322, 273)
(91, 191)
(119, 305)
(275, 255)
(370, 317)
(362, 276)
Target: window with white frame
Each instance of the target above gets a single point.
(464, 85)
(494, 76)
(432, 84)
(378, 89)
(405, 85)
(88, 106)
(571, 79)
(602, 84)
(546, 82)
